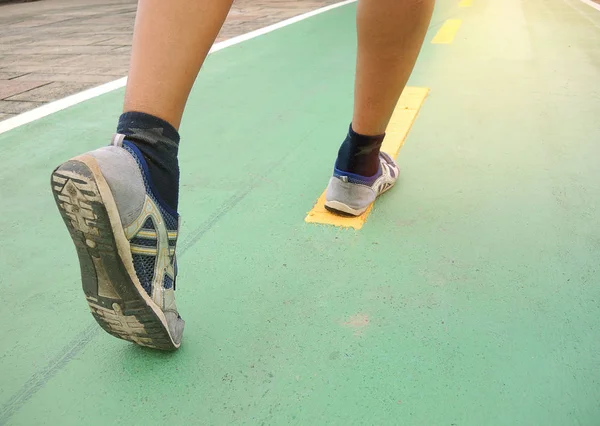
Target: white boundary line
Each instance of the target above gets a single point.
(52, 107)
(55, 106)
(591, 3)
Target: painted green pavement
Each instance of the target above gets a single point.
(470, 296)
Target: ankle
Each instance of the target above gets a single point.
(359, 154)
(158, 142)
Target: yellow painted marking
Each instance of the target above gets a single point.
(404, 116)
(465, 3)
(448, 31)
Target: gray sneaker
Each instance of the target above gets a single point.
(125, 238)
(350, 194)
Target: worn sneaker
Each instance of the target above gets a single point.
(350, 194)
(125, 238)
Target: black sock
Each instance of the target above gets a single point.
(359, 154)
(158, 141)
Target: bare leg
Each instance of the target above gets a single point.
(390, 35)
(171, 41)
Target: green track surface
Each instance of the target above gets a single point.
(470, 297)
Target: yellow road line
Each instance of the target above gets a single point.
(404, 116)
(465, 3)
(448, 31)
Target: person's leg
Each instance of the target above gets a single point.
(170, 42)
(120, 202)
(390, 36)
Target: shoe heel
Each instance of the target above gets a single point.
(114, 300)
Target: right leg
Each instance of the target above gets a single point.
(170, 43)
(119, 202)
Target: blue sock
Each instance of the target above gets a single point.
(359, 154)
(158, 141)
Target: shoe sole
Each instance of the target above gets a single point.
(114, 294)
(342, 209)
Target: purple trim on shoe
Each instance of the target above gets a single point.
(358, 179)
(367, 180)
(386, 157)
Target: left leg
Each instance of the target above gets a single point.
(390, 36)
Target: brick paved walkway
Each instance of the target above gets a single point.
(53, 48)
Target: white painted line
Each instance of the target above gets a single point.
(265, 30)
(52, 107)
(591, 3)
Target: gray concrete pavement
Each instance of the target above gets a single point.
(50, 49)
